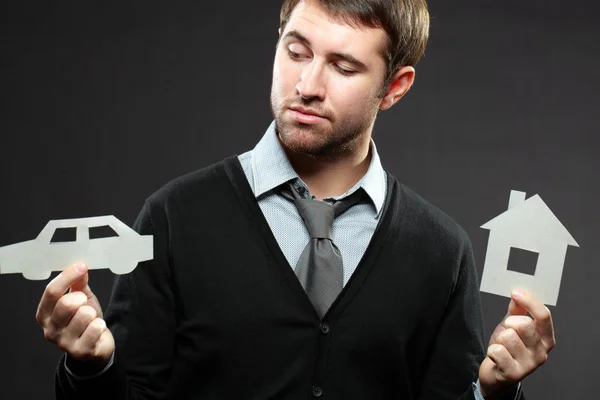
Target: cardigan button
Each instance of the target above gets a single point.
(324, 328)
(317, 391)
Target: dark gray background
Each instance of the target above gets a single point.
(103, 102)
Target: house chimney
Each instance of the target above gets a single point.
(516, 198)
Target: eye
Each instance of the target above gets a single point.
(293, 54)
(343, 71)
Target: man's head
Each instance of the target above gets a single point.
(343, 60)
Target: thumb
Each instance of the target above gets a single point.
(515, 309)
(81, 285)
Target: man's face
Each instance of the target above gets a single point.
(330, 69)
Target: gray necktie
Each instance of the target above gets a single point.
(320, 268)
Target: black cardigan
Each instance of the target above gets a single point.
(219, 313)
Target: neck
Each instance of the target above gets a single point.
(329, 177)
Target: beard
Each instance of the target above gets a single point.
(331, 139)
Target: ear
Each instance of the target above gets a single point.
(402, 81)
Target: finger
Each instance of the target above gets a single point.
(511, 340)
(540, 313)
(56, 288)
(506, 365)
(65, 309)
(525, 328)
(499, 328)
(80, 321)
(89, 342)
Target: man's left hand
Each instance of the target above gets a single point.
(518, 346)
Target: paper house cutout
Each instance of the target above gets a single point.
(527, 225)
(37, 258)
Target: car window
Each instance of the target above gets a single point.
(99, 232)
(62, 235)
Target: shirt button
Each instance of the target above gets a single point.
(317, 391)
(324, 328)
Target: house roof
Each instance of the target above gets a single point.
(534, 216)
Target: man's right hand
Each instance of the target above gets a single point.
(71, 317)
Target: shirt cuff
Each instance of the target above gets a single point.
(479, 396)
(86, 377)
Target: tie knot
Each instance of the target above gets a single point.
(318, 217)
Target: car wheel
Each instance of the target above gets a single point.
(125, 269)
(37, 275)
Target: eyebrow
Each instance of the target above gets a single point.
(344, 56)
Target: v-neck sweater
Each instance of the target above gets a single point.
(219, 313)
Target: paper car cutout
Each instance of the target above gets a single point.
(37, 259)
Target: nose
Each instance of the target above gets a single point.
(311, 84)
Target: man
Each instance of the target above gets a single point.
(244, 300)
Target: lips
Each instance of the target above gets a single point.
(306, 111)
(306, 116)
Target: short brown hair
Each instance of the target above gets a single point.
(406, 23)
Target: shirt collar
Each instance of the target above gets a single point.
(271, 168)
(270, 165)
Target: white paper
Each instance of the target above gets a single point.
(36, 259)
(528, 225)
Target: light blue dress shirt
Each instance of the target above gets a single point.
(267, 167)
